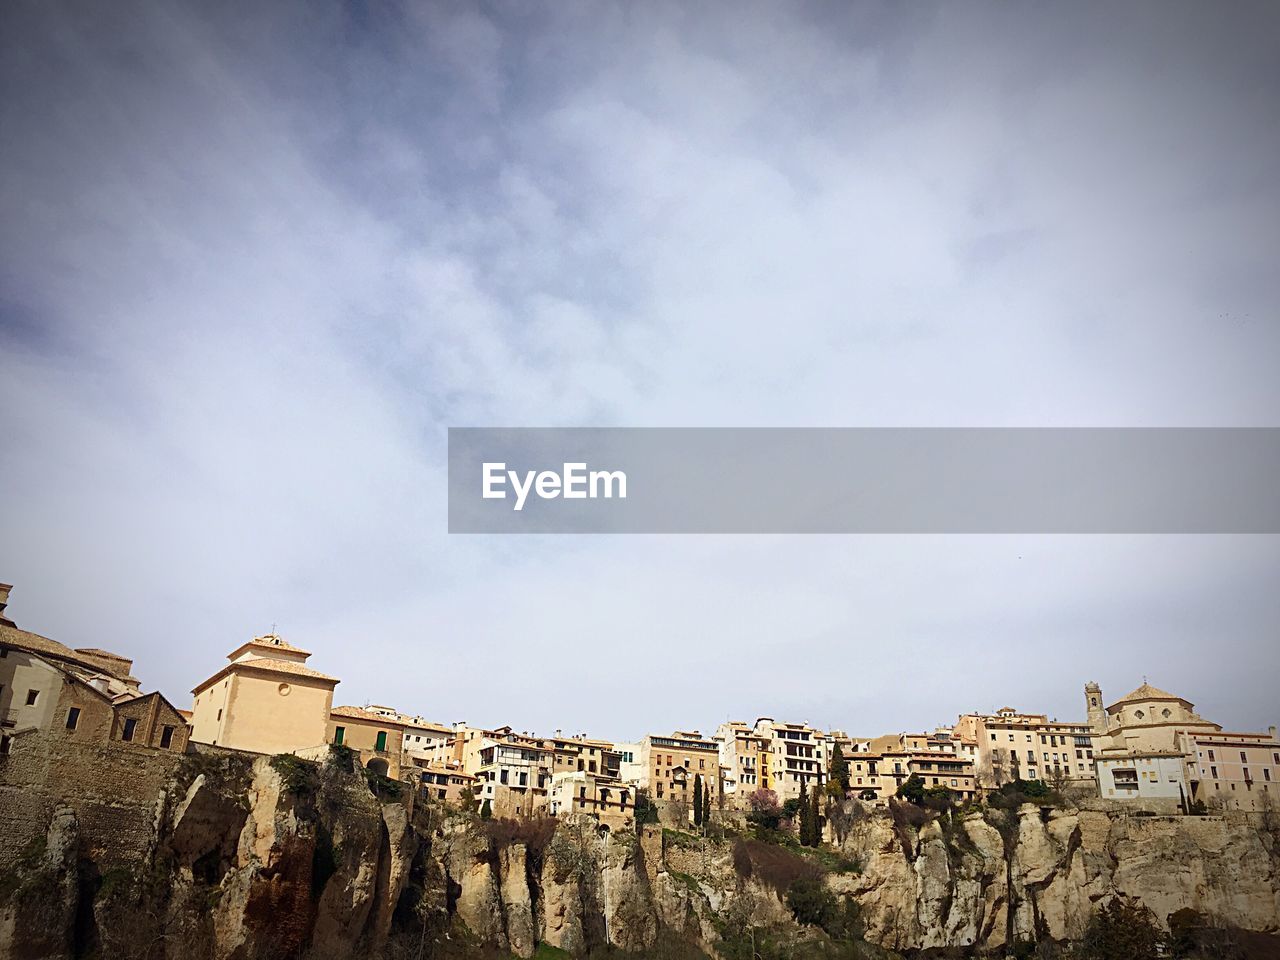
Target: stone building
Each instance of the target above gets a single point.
(1154, 746)
(1011, 745)
(266, 700)
(671, 765)
(744, 762)
(373, 733)
(578, 791)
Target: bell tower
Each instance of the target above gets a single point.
(1094, 709)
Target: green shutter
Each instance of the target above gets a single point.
(382, 740)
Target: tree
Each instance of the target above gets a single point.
(913, 789)
(697, 801)
(803, 811)
(765, 813)
(839, 767)
(486, 810)
(646, 811)
(815, 819)
(706, 806)
(867, 794)
(1122, 929)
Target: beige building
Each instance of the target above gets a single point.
(1010, 745)
(1197, 759)
(879, 766)
(744, 756)
(672, 764)
(514, 773)
(795, 754)
(373, 733)
(266, 700)
(440, 783)
(577, 791)
(86, 695)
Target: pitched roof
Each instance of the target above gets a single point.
(270, 641)
(359, 713)
(1148, 692)
(283, 668)
(34, 643)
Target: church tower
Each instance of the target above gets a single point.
(1095, 711)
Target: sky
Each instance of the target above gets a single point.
(255, 259)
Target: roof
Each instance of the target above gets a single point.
(271, 641)
(359, 713)
(34, 643)
(283, 668)
(1148, 692)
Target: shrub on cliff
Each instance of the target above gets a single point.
(813, 904)
(772, 865)
(1122, 930)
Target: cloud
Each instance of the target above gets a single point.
(255, 262)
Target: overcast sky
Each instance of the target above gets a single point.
(254, 259)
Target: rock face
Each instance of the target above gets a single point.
(277, 858)
(1039, 874)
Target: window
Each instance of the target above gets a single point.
(1211, 757)
(130, 725)
(32, 697)
(1266, 774)
(1213, 772)
(166, 738)
(339, 734)
(381, 742)
(219, 715)
(1243, 757)
(73, 718)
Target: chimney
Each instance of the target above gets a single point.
(4, 602)
(1272, 730)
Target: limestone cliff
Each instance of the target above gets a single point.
(278, 857)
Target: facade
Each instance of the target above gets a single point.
(787, 756)
(671, 765)
(373, 733)
(514, 773)
(744, 757)
(1010, 745)
(879, 766)
(598, 795)
(86, 695)
(440, 783)
(1224, 770)
(265, 700)
(1156, 776)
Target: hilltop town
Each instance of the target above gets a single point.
(1148, 748)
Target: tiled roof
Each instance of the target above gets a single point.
(359, 713)
(34, 643)
(1147, 692)
(282, 668)
(270, 641)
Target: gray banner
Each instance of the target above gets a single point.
(784, 480)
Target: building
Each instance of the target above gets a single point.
(1010, 745)
(266, 700)
(86, 695)
(598, 795)
(514, 773)
(440, 783)
(794, 754)
(372, 732)
(1149, 732)
(744, 758)
(879, 766)
(671, 765)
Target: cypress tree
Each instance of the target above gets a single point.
(839, 768)
(802, 813)
(697, 800)
(815, 819)
(706, 806)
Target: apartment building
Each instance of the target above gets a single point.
(881, 765)
(440, 783)
(744, 761)
(595, 794)
(794, 754)
(513, 773)
(1011, 745)
(670, 765)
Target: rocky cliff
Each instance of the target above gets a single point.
(277, 858)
